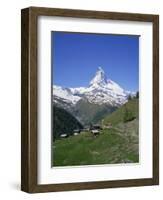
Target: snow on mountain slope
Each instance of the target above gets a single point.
(99, 78)
(65, 94)
(100, 91)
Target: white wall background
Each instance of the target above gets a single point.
(10, 98)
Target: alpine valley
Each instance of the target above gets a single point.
(98, 124)
(91, 104)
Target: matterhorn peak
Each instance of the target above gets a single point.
(100, 91)
(100, 69)
(99, 78)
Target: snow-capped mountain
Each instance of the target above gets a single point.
(65, 94)
(100, 91)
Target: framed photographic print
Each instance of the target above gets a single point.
(90, 99)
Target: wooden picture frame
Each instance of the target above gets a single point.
(29, 68)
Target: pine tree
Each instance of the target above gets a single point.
(129, 97)
(137, 95)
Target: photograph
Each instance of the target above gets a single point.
(95, 99)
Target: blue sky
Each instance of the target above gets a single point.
(77, 56)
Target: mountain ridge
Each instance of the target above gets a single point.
(101, 90)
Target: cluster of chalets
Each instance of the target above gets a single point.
(94, 129)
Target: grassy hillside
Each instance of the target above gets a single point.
(110, 147)
(63, 122)
(119, 144)
(118, 116)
